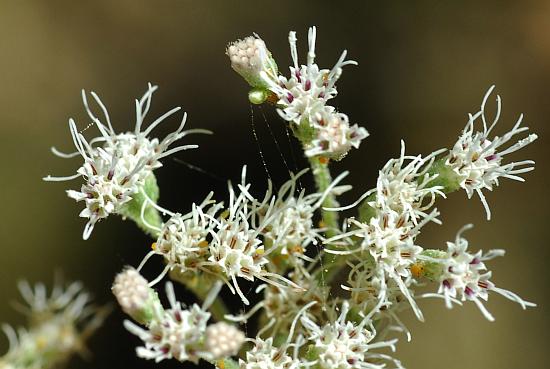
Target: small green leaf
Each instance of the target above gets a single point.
(132, 209)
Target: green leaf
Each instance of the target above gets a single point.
(132, 209)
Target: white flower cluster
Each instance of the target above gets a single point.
(477, 159)
(465, 276)
(281, 306)
(59, 324)
(302, 97)
(339, 343)
(386, 257)
(177, 332)
(400, 208)
(293, 227)
(303, 323)
(116, 166)
(264, 355)
(239, 240)
(344, 345)
(172, 333)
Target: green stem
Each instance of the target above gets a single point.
(323, 179)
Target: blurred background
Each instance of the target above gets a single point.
(422, 66)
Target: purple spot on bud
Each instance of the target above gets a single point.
(298, 76)
(110, 174)
(308, 85)
(447, 284)
(469, 291)
(322, 95)
(475, 261)
(491, 157)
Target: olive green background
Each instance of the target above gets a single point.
(422, 66)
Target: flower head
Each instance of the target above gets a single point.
(302, 100)
(344, 345)
(465, 276)
(334, 136)
(116, 166)
(308, 88)
(478, 159)
(292, 229)
(226, 241)
(173, 333)
(401, 206)
(266, 356)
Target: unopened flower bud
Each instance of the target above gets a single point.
(223, 340)
(250, 57)
(134, 295)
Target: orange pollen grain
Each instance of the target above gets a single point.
(417, 270)
(323, 160)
